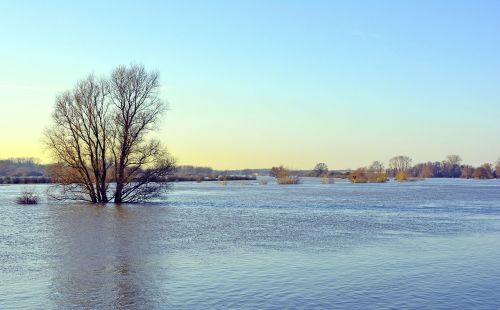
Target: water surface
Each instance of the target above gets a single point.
(431, 244)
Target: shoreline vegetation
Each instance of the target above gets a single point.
(31, 171)
(174, 178)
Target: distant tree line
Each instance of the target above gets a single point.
(22, 171)
(451, 167)
(189, 170)
(21, 167)
(29, 170)
(25, 180)
(400, 168)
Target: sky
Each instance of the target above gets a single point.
(254, 84)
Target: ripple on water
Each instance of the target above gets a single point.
(432, 244)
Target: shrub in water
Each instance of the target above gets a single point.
(283, 176)
(402, 176)
(292, 179)
(27, 198)
(362, 175)
(358, 176)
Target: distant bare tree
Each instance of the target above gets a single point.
(467, 172)
(483, 172)
(426, 171)
(453, 160)
(377, 167)
(400, 163)
(101, 135)
(275, 171)
(451, 166)
(320, 169)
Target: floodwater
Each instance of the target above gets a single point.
(433, 244)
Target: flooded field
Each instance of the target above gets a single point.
(428, 245)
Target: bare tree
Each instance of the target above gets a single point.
(78, 141)
(135, 96)
(453, 160)
(320, 169)
(483, 172)
(275, 171)
(377, 167)
(426, 171)
(101, 135)
(451, 166)
(400, 163)
(467, 172)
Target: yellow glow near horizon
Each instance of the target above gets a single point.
(250, 135)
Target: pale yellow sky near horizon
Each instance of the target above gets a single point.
(249, 138)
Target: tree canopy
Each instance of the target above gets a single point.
(101, 138)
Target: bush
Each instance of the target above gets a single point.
(358, 176)
(401, 176)
(377, 177)
(362, 175)
(284, 177)
(291, 179)
(27, 198)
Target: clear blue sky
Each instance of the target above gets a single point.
(264, 83)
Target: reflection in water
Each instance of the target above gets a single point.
(99, 263)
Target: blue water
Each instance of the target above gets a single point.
(428, 245)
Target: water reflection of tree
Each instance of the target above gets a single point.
(97, 262)
(127, 287)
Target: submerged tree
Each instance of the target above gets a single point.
(400, 163)
(451, 166)
(467, 172)
(377, 167)
(483, 172)
(319, 170)
(425, 171)
(101, 135)
(275, 171)
(78, 141)
(453, 160)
